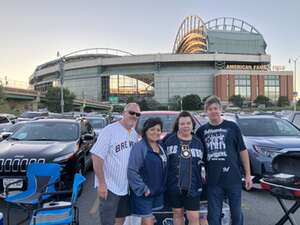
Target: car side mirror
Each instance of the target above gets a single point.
(5, 135)
(87, 137)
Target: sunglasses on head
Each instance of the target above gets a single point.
(132, 113)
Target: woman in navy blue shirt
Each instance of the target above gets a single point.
(147, 170)
(184, 181)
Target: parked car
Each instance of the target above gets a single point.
(115, 117)
(265, 137)
(62, 141)
(168, 118)
(97, 122)
(31, 115)
(6, 132)
(294, 117)
(6, 120)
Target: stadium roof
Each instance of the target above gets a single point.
(219, 35)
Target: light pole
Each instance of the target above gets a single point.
(61, 72)
(295, 93)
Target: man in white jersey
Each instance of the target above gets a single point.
(110, 156)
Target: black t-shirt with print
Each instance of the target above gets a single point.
(222, 146)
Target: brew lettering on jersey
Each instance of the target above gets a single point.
(124, 145)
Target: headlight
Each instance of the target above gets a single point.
(63, 157)
(267, 151)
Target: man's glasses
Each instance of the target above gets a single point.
(132, 113)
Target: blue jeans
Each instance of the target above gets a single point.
(216, 195)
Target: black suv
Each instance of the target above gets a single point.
(63, 141)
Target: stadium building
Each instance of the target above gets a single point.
(224, 56)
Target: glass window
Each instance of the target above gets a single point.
(121, 84)
(3, 120)
(296, 120)
(47, 131)
(271, 127)
(272, 87)
(243, 86)
(168, 121)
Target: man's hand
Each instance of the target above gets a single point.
(102, 191)
(248, 183)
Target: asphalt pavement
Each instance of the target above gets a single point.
(259, 207)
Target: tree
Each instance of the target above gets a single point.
(262, 100)
(191, 102)
(237, 100)
(175, 102)
(53, 99)
(2, 95)
(283, 101)
(205, 98)
(131, 99)
(149, 104)
(143, 105)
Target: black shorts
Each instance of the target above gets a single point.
(123, 207)
(185, 201)
(113, 207)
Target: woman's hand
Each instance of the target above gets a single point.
(147, 193)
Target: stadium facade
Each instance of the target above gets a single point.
(224, 56)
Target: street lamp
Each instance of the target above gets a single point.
(61, 65)
(295, 93)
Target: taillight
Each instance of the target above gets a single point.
(265, 186)
(297, 194)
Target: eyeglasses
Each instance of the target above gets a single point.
(132, 113)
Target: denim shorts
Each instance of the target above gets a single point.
(142, 206)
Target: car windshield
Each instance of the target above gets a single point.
(30, 114)
(13, 128)
(167, 119)
(267, 127)
(47, 131)
(97, 123)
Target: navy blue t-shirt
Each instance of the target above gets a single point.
(222, 146)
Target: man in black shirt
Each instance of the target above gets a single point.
(225, 153)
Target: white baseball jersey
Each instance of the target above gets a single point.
(113, 146)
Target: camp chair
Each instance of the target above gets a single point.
(41, 178)
(55, 213)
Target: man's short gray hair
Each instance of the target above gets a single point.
(212, 100)
(129, 105)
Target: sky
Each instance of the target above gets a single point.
(32, 31)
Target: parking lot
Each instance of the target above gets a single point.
(259, 207)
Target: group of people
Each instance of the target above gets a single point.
(136, 177)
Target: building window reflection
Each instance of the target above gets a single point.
(243, 86)
(272, 85)
(125, 85)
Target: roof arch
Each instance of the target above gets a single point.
(191, 36)
(230, 24)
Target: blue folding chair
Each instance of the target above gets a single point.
(64, 213)
(41, 178)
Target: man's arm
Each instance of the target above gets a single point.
(246, 164)
(98, 168)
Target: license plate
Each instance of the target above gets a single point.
(7, 181)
